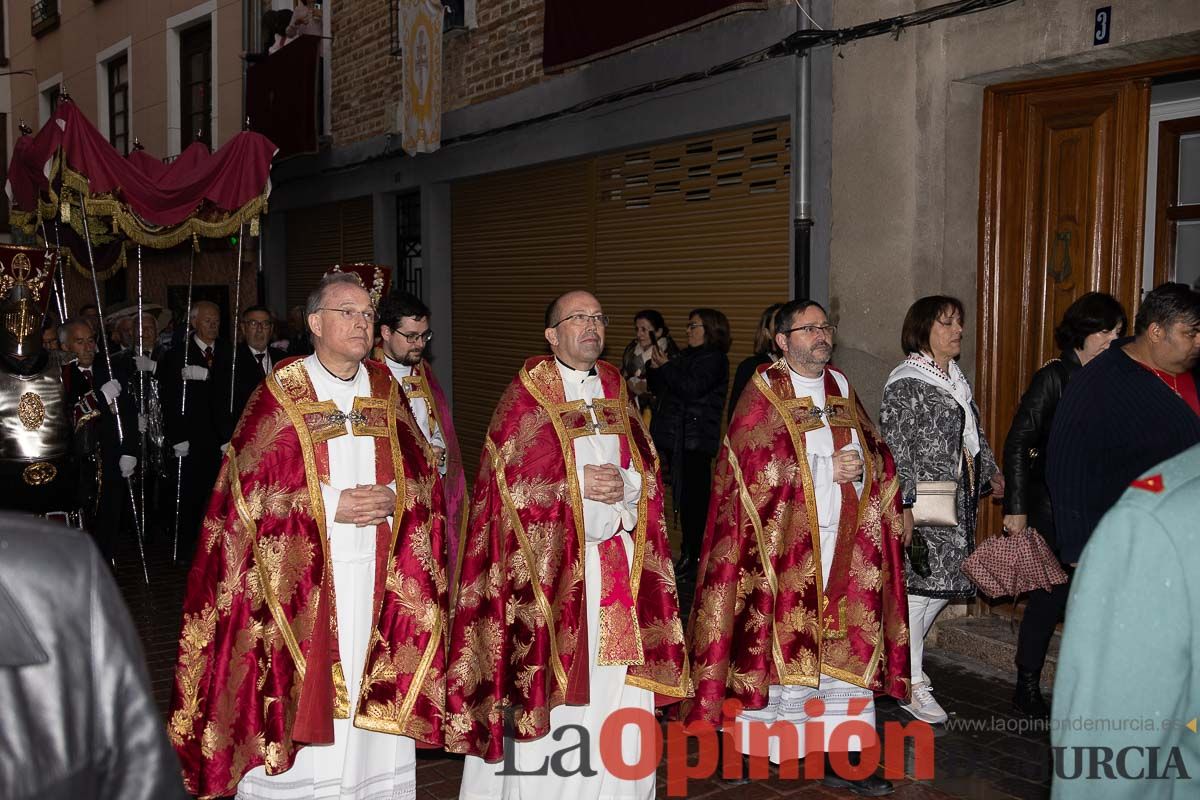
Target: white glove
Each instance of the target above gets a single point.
(142, 423)
(111, 391)
(145, 364)
(181, 450)
(224, 447)
(127, 465)
(193, 373)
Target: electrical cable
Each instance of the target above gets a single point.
(795, 44)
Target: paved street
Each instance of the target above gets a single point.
(981, 764)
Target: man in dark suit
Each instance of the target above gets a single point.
(194, 427)
(255, 360)
(112, 450)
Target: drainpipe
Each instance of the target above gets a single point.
(802, 222)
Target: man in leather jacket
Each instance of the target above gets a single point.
(77, 718)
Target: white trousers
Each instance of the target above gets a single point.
(922, 611)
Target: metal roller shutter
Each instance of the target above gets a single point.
(697, 222)
(320, 236)
(520, 239)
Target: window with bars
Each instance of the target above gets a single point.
(195, 84)
(118, 104)
(408, 242)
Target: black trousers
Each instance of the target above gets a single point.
(1043, 611)
(697, 486)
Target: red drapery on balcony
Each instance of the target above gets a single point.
(281, 96)
(577, 32)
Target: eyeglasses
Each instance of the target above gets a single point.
(691, 326)
(256, 325)
(348, 314)
(809, 330)
(601, 320)
(413, 338)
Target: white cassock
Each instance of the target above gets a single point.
(607, 689)
(786, 703)
(359, 765)
(420, 408)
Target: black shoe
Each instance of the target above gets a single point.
(685, 565)
(1027, 698)
(870, 786)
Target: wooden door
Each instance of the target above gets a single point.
(1061, 210)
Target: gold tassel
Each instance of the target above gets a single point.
(254, 225)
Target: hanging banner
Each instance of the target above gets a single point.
(421, 100)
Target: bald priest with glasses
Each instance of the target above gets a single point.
(566, 609)
(312, 655)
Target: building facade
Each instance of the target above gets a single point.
(551, 179)
(158, 74)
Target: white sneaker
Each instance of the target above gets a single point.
(923, 706)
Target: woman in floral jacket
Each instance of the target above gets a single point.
(931, 424)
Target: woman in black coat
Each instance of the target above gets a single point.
(687, 427)
(765, 352)
(1089, 325)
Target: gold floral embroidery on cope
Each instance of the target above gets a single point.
(318, 420)
(198, 631)
(369, 416)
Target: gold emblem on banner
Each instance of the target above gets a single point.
(39, 474)
(31, 411)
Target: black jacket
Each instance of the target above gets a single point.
(691, 395)
(1115, 421)
(248, 376)
(202, 422)
(76, 711)
(1025, 489)
(742, 376)
(113, 442)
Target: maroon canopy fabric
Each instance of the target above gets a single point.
(154, 204)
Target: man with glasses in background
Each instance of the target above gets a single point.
(255, 360)
(804, 529)
(312, 655)
(404, 335)
(566, 609)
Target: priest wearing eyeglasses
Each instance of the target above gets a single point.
(404, 336)
(312, 656)
(566, 609)
(800, 612)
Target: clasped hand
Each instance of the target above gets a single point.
(603, 483)
(366, 504)
(847, 466)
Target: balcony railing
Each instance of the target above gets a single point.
(43, 16)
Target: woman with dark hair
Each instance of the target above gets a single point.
(1087, 328)
(931, 423)
(687, 428)
(765, 352)
(650, 332)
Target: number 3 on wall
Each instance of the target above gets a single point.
(1103, 25)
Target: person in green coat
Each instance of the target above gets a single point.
(1126, 696)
